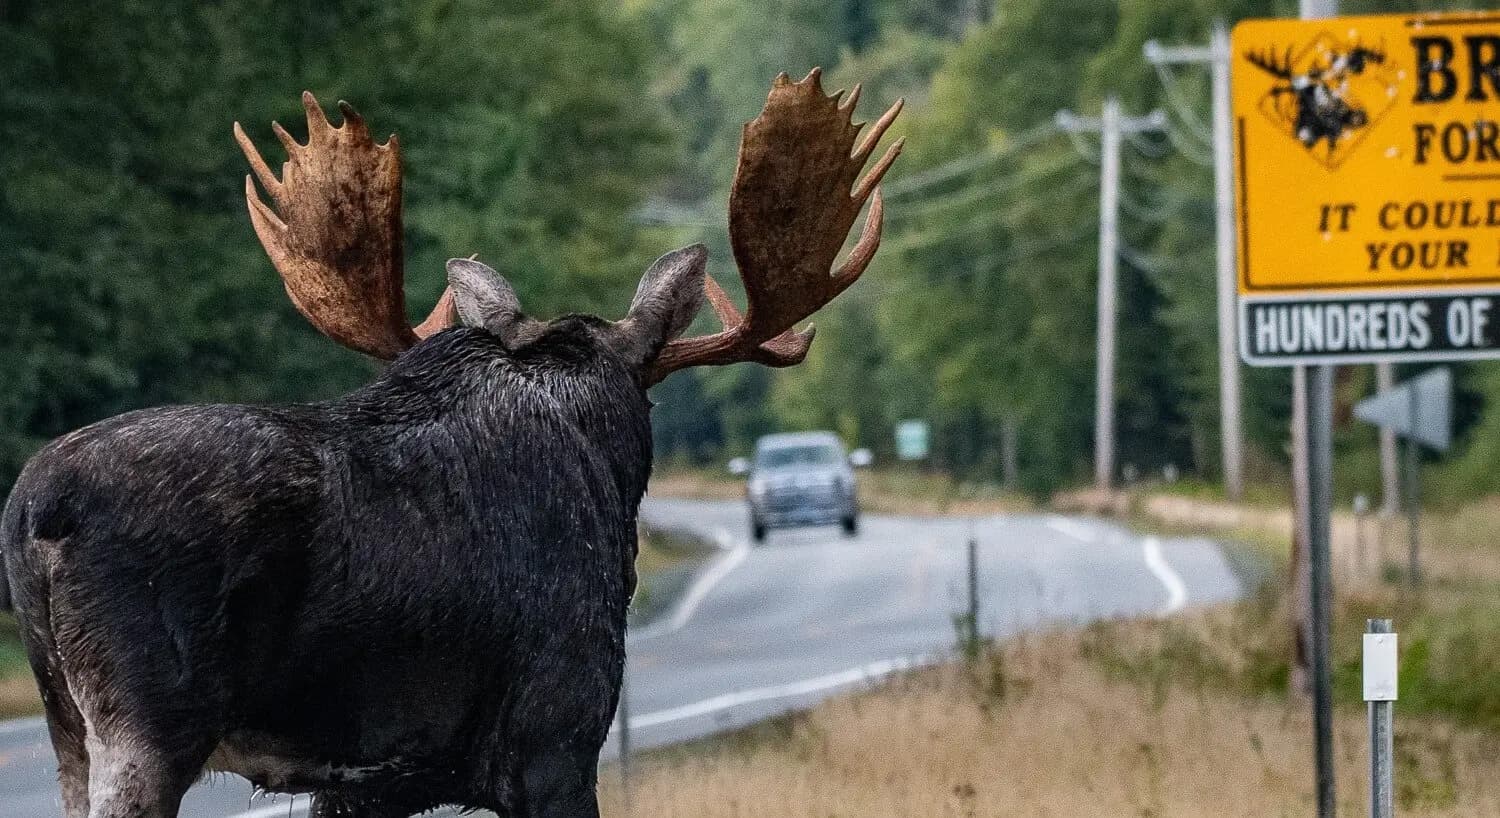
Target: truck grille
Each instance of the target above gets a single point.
(786, 498)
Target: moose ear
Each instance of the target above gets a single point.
(666, 300)
(483, 299)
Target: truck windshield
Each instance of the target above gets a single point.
(816, 455)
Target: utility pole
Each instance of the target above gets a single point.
(1216, 56)
(1111, 126)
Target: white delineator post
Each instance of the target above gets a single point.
(1380, 693)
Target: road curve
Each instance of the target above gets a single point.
(780, 625)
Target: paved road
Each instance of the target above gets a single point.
(781, 625)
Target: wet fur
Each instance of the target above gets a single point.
(410, 596)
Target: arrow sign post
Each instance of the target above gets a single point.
(1421, 411)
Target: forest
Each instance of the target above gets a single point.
(570, 143)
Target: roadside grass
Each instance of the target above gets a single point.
(1449, 627)
(1062, 724)
(1192, 715)
(18, 695)
(1259, 494)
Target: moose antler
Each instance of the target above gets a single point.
(1268, 62)
(335, 235)
(793, 203)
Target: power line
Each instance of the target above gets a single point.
(1192, 152)
(1086, 152)
(1147, 148)
(989, 262)
(1147, 213)
(1178, 102)
(662, 213)
(1036, 247)
(1005, 184)
(967, 164)
(1156, 265)
(991, 217)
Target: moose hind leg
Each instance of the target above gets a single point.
(65, 724)
(140, 779)
(561, 784)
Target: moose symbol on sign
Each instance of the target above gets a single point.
(1321, 102)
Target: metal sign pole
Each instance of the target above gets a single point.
(1390, 491)
(1320, 468)
(1320, 465)
(1380, 693)
(1414, 497)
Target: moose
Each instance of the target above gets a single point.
(413, 595)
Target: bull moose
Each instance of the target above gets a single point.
(415, 594)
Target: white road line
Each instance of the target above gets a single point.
(1176, 590)
(864, 673)
(738, 550)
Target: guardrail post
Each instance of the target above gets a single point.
(971, 631)
(623, 715)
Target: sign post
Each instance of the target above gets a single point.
(1367, 156)
(1420, 410)
(1380, 692)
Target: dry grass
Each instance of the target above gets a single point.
(1039, 730)
(1458, 544)
(1183, 717)
(18, 695)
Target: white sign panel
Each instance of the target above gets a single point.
(1380, 667)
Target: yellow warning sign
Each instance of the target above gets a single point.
(1368, 186)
